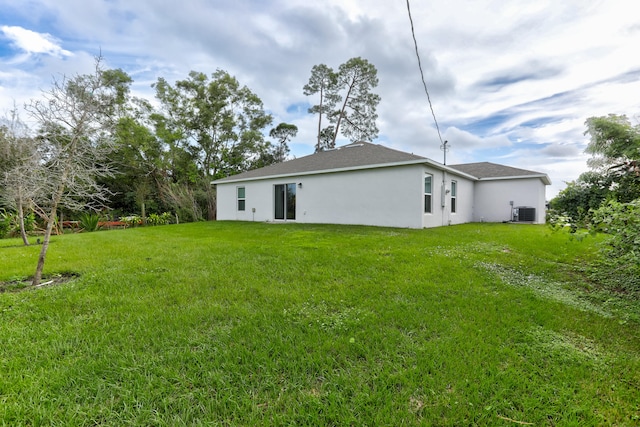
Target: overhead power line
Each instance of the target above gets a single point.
(424, 83)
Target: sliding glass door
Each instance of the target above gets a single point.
(285, 201)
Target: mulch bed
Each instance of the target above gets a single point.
(25, 284)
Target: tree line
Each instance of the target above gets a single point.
(607, 199)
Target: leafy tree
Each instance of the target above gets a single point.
(346, 99)
(607, 199)
(116, 104)
(615, 150)
(138, 158)
(620, 267)
(216, 120)
(356, 118)
(327, 138)
(283, 133)
(614, 141)
(581, 196)
(324, 82)
(75, 118)
(182, 186)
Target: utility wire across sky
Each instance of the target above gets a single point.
(443, 144)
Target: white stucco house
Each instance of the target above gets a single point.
(369, 184)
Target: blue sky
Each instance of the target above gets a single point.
(511, 82)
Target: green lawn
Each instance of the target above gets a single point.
(245, 324)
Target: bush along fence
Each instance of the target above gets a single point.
(86, 222)
(10, 223)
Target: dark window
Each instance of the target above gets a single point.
(428, 180)
(241, 199)
(454, 196)
(291, 201)
(285, 201)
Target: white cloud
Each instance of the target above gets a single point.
(32, 42)
(464, 140)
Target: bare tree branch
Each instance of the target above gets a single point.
(75, 118)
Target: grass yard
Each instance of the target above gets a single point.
(241, 324)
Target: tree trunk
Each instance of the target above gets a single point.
(211, 209)
(23, 232)
(37, 277)
(20, 210)
(51, 220)
(344, 108)
(211, 202)
(320, 120)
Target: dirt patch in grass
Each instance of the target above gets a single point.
(21, 285)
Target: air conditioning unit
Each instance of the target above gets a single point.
(524, 214)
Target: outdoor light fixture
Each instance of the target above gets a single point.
(299, 185)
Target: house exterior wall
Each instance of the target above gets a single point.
(391, 196)
(441, 210)
(492, 198)
(258, 196)
(386, 196)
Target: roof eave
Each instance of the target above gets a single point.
(544, 177)
(351, 168)
(321, 172)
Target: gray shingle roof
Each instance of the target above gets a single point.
(487, 170)
(364, 154)
(355, 155)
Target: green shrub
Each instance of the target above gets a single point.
(29, 222)
(5, 223)
(560, 221)
(10, 224)
(162, 219)
(620, 266)
(90, 222)
(131, 220)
